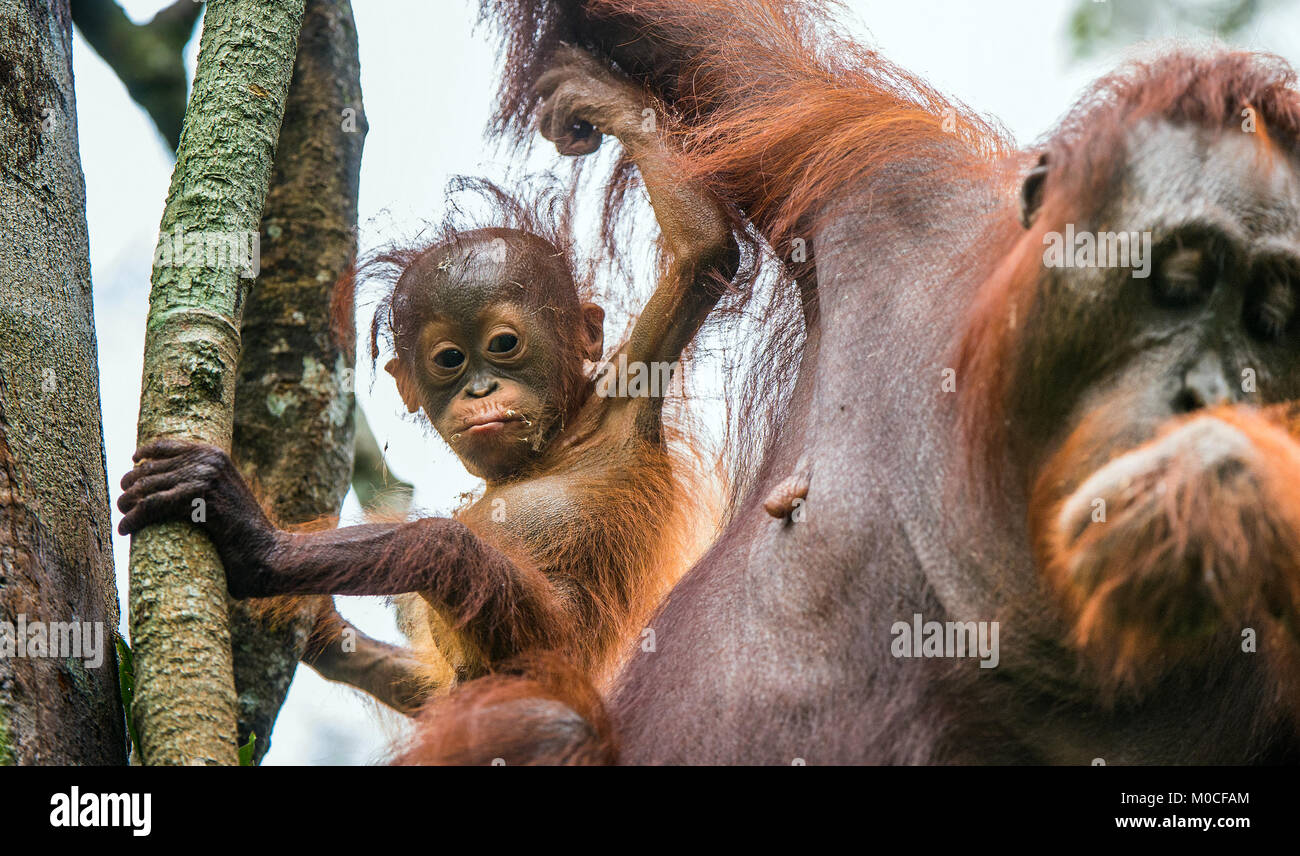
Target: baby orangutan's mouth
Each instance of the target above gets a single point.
(1166, 548)
(492, 422)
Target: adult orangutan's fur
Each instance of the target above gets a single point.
(1129, 636)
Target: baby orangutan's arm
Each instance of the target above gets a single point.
(502, 608)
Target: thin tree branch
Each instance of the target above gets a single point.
(184, 704)
(149, 58)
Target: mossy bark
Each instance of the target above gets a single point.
(184, 705)
(56, 560)
(294, 428)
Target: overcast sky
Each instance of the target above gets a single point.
(427, 79)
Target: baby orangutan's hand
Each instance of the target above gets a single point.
(175, 480)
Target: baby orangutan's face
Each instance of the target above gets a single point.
(491, 362)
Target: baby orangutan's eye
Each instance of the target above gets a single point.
(503, 343)
(448, 358)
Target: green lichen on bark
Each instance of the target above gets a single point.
(294, 400)
(56, 560)
(6, 753)
(184, 704)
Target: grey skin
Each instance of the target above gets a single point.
(745, 634)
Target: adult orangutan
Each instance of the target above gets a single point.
(585, 514)
(1106, 465)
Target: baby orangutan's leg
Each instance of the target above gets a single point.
(340, 652)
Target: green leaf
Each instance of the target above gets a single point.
(126, 685)
(246, 751)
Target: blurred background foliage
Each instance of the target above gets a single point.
(1095, 26)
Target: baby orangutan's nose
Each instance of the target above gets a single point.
(482, 387)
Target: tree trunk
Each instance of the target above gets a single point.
(184, 708)
(294, 401)
(56, 560)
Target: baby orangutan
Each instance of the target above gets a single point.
(580, 526)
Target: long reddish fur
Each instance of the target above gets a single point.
(1221, 540)
(586, 578)
(780, 118)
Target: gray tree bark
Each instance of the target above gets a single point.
(148, 59)
(184, 707)
(56, 560)
(294, 402)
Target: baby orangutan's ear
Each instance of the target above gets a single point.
(406, 386)
(593, 332)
